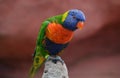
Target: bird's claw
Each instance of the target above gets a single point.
(55, 59)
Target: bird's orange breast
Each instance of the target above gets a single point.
(58, 34)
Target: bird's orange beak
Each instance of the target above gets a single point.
(80, 25)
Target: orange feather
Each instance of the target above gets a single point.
(58, 34)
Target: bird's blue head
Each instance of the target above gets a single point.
(73, 19)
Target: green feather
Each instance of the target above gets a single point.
(41, 54)
(56, 19)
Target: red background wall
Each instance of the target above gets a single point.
(94, 52)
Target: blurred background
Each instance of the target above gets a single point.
(94, 52)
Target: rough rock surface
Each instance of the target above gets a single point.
(55, 70)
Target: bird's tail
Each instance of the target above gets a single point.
(38, 61)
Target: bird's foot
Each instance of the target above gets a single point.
(55, 59)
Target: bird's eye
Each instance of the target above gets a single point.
(74, 17)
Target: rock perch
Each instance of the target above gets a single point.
(55, 68)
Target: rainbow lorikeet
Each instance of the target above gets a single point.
(54, 35)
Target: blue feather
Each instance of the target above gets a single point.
(53, 48)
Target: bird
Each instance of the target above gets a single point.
(54, 36)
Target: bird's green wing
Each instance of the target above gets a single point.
(40, 54)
